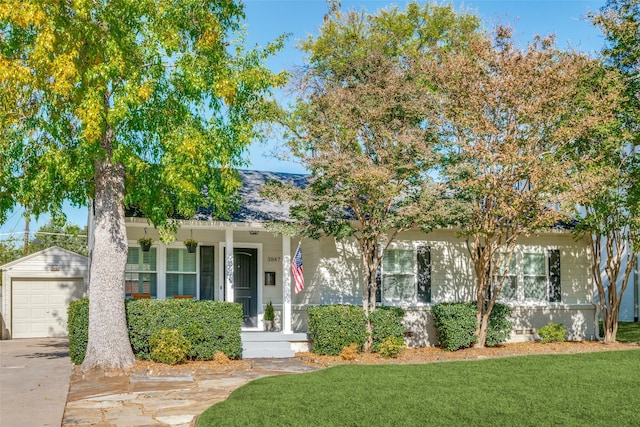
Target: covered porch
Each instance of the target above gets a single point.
(234, 261)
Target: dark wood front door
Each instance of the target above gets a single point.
(245, 283)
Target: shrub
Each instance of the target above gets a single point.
(499, 328)
(269, 313)
(553, 332)
(333, 327)
(391, 346)
(455, 324)
(209, 326)
(78, 327)
(350, 352)
(386, 322)
(169, 346)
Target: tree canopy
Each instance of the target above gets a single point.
(141, 103)
(359, 127)
(506, 117)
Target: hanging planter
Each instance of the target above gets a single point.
(191, 245)
(145, 243)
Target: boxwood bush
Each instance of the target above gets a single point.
(386, 322)
(209, 326)
(455, 324)
(78, 325)
(333, 327)
(499, 328)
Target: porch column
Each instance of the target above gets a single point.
(228, 265)
(286, 284)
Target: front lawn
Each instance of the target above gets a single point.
(579, 389)
(628, 332)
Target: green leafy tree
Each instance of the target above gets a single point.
(139, 103)
(508, 115)
(359, 127)
(611, 197)
(68, 236)
(9, 251)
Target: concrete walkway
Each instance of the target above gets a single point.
(34, 380)
(174, 397)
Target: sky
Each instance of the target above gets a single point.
(267, 19)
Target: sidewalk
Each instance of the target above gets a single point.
(173, 397)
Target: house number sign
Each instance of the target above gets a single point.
(274, 258)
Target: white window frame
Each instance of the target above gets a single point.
(139, 272)
(195, 273)
(518, 254)
(412, 246)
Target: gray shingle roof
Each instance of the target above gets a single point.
(253, 207)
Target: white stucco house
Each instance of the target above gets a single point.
(240, 260)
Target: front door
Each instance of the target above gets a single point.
(245, 280)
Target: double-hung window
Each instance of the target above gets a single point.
(181, 272)
(532, 276)
(405, 276)
(140, 272)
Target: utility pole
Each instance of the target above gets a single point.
(25, 239)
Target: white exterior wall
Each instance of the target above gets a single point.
(335, 278)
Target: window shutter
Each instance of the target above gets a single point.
(379, 283)
(553, 257)
(424, 274)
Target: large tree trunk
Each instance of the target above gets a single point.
(108, 345)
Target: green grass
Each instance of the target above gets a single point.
(628, 332)
(592, 389)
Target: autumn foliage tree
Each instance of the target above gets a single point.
(610, 201)
(139, 103)
(359, 127)
(505, 115)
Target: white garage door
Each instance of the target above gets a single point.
(40, 306)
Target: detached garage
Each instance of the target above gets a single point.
(36, 291)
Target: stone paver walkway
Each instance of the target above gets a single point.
(150, 399)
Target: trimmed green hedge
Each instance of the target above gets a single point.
(208, 326)
(386, 322)
(455, 324)
(78, 325)
(333, 327)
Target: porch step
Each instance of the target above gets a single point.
(257, 345)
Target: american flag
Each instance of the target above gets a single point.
(296, 269)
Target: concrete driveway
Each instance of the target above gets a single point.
(34, 381)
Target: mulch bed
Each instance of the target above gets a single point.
(436, 354)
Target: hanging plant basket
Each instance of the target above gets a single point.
(191, 245)
(145, 243)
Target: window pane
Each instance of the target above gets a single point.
(180, 260)
(398, 261)
(133, 258)
(534, 264)
(181, 284)
(188, 261)
(503, 264)
(173, 259)
(509, 288)
(535, 287)
(398, 288)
